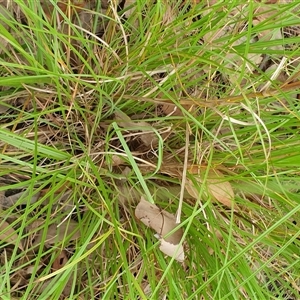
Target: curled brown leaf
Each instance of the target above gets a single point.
(163, 223)
(159, 220)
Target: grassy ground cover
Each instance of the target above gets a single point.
(192, 105)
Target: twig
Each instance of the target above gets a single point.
(230, 100)
(185, 165)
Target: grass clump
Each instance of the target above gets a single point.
(102, 104)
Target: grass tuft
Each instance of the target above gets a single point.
(102, 104)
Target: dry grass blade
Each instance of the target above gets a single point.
(228, 100)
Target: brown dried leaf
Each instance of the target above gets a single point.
(131, 10)
(123, 120)
(147, 137)
(33, 269)
(56, 234)
(117, 160)
(170, 249)
(3, 108)
(160, 220)
(9, 235)
(67, 7)
(6, 202)
(191, 189)
(217, 187)
(220, 189)
(163, 223)
(60, 261)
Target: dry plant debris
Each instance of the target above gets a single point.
(56, 233)
(9, 235)
(163, 223)
(61, 160)
(217, 186)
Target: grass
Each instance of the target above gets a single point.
(91, 122)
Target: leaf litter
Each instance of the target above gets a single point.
(163, 223)
(9, 235)
(216, 185)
